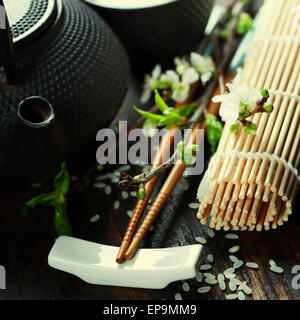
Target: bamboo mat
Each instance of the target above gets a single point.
(251, 182)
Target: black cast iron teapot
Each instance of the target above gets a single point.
(63, 56)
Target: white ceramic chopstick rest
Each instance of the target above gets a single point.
(150, 268)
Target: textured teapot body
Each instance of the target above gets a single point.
(79, 66)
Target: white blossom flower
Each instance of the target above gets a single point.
(203, 65)
(190, 76)
(181, 65)
(181, 92)
(231, 102)
(172, 77)
(238, 77)
(150, 128)
(151, 83)
(181, 88)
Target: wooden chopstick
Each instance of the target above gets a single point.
(168, 186)
(167, 141)
(159, 202)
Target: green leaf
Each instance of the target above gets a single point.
(162, 106)
(46, 199)
(61, 221)
(148, 115)
(187, 110)
(171, 120)
(214, 129)
(56, 198)
(245, 23)
(62, 179)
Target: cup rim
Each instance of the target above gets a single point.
(129, 4)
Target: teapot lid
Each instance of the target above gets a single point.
(29, 18)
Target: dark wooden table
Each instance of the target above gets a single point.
(25, 244)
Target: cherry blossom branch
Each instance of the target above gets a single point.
(144, 177)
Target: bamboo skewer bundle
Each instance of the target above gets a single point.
(252, 182)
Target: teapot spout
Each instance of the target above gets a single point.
(36, 112)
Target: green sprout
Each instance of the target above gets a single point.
(234, 128)
(170, 116)
(141, 193)
(269, 108)
(185, 154)
(250, 128)
(57, 199)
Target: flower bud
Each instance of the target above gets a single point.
(264, 93)
(141, 193)
(269, 108)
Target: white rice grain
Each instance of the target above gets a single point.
(276, 269)
(205, 267)
(199, 277)
(116, 205)
(241, 295)
(244, 287)
(211, 281)
(221, 277)
(209, 275)
(94, 218)
(232, 286)
(230, 275)
(233, 258)
(133, 194)
(221, 281)
(231, 236)
(252, 265)
(272, 263)
(108, 190)
(228, 271)
(234, 249)
(203, 289)
(210, 258)
(236, 281)
(102, 177)
(99, 185)
(201, 240)
(231, 296)
(115, 179)
(185, 287)
(238, 264)
(124, 168)
(125, 195)
(194, 205)
(210, 232)
(178, 296)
